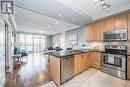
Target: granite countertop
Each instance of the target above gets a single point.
(61, 54)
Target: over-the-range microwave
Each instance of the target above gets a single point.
(116, 35)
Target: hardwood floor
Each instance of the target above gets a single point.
(34, 71)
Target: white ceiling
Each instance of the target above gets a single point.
(94, 10)
(31, 22)
(38, 15)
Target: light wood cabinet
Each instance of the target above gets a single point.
(87, 65)
(109, 24)
(94, 32)
(77, 63)
(121, 22)
(96, 60)
(82, 62)
(91, 58)
(55, 69)
(89, 32)
(85, 61)
(99, 29)
(129, 26)
(128, 67)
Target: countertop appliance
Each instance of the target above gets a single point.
(116, 35)
(114, 60)
(67, 68)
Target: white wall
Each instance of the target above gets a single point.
(80, 36)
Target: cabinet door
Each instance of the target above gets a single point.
(109, 24)
(89, 32)
(77, 62)
(87, 65)
(121, 22)
(83, 62)
(91, 58)
(129, 26)
(97, 60)
(55, 69)
(128, 67)
(99, 29)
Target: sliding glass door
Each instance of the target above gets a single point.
(33, 43)
(43, 44)
(29, 43)
(36, 44)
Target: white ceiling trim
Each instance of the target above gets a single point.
(25, 20)
(112, 12)
(74, 8)
(75, 27)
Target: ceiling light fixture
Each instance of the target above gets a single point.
(105, 6)
(59, 14)
(95, 1)
(56, 22)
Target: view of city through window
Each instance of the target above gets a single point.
(33, 43)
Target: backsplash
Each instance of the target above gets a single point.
(101, 45)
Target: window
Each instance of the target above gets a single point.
(29, 42)
(33, 43)
(22, 40)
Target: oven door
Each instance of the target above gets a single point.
(114, 61)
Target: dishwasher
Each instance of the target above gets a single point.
(67, 68)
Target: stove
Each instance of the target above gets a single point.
(114, 60)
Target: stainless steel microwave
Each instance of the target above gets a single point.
(116, 35)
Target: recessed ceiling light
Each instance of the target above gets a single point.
(56, 22)
(95, 1)
(60, 15)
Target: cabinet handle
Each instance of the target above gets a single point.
(81, 56)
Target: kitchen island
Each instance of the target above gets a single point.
(64, 65)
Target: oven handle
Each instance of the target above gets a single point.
(120, 56)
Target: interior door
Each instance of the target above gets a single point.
(2, 53)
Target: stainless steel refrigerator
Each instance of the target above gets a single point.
(2, 53)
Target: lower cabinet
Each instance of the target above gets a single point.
(55, 69)
(77, 64)
(82, 62)
(85, 60)
(96, 60)
(128, 67)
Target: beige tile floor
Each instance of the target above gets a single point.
(92, 78)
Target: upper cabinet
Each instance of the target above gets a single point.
(89, 32)
(121, 22)
(94, 32)
(99, 29)
(109, 24)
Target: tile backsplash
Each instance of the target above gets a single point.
(101, 45)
